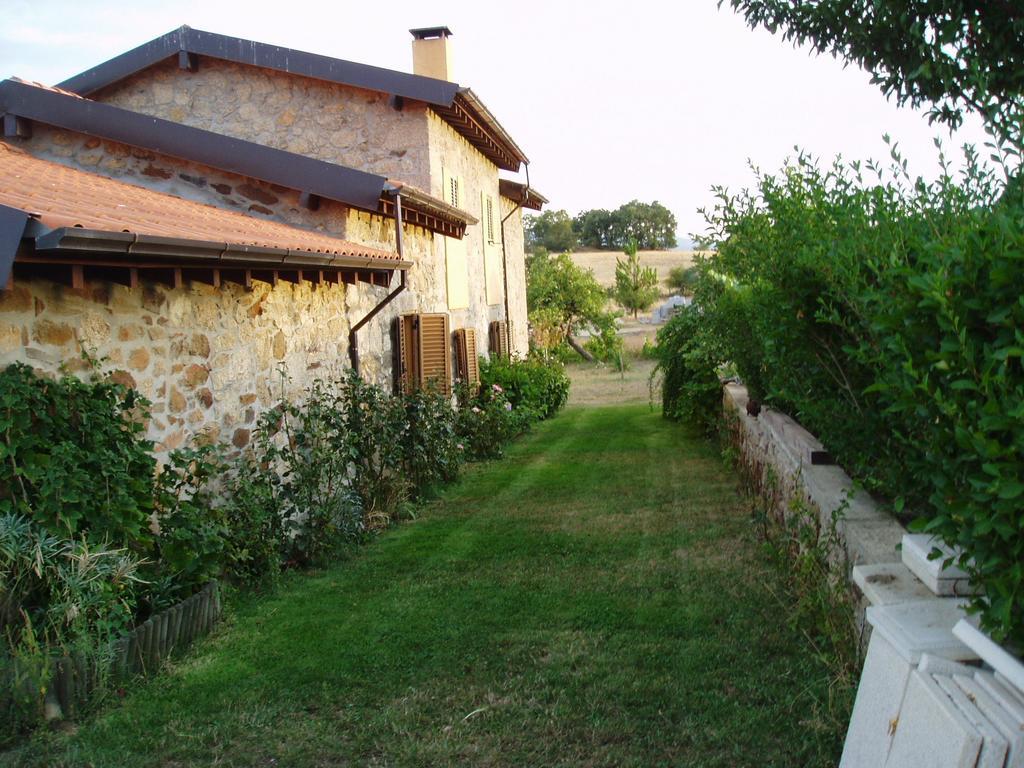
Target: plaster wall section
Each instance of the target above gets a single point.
(316, 118)
(515, 266)
(451, 153)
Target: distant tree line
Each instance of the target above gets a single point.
(651, 226)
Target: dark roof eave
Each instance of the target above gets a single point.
(206, 253)
(328, 180)
(420, 200)
(519, 193)
(196, 41)
(440, 94)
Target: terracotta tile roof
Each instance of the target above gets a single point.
(60, 196)
(52, 88)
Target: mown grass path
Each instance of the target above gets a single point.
(595, 599)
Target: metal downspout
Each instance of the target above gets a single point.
(353, 347)
(504, 259)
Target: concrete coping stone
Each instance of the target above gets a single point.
(1009, 726)
(933, 665)
(994, 745)
(946, 581)
(889, 584)
(931, 726)
(1001, 693)
(869, 533)
(1001, 660)
(924, 626)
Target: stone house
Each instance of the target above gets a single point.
(205, 214)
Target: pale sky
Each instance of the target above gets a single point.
(611, 101)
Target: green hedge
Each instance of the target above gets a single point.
(538, 383)
(887, 316)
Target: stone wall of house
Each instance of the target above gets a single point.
(209, 359)
(327, 121)
(339, 124)
(450, 152)
(515, 266)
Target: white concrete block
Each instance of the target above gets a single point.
(1010, 727)
(931, 732)
(994, 745)
(1001, 694)
(946, 582)
(1010, 686)
(1001, 660)
(876, 709)
(921, 627)
(933, 665)
(889, 584)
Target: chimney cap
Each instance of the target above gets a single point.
(426, 33)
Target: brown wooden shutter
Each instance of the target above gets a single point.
(497, 338)
(404, 360)
(435, 362)
(472, 358)
(466, 356)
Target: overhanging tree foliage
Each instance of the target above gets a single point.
(951, 55)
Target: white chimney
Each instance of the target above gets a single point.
(432, 53)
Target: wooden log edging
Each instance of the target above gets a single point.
(140, 651)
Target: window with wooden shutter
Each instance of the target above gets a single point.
(422, 355)
(405, 358)
(498, 338)
(435, 354)
(494, 279)
(456, 257)
(466, 356)
(489, 218)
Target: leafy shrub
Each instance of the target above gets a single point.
(690, 387)
(539, 383)
(301, 446)
(487, 420)
(57, 596)
(253, 544)
(682, 280)
(75, 458)
(192, 533)
(430, 446)
(373, 421)
(885, 315)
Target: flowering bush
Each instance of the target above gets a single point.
(537, 384)
(487, 421)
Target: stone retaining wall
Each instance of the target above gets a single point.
(777, 451)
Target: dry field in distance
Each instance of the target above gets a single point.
(603, 263)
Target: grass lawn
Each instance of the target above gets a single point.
(597, 598)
